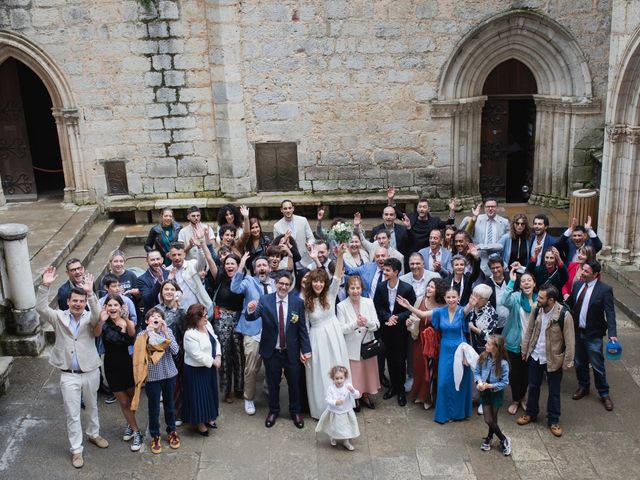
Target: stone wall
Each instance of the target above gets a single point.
(182, 92)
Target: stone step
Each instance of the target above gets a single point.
(63, 241)
(5, 368)
(626, 291)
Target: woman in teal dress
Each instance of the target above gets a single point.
(451, 404)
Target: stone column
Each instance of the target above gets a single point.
(465, 122)
(75, 182)
(3, 200)
(18, 283)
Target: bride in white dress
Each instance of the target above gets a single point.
(328, 347)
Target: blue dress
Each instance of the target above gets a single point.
(451, 404)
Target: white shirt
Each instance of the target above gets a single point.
(188, 297)
(334, 393)
(374, 282)
(431, 260)
(582, 319)
(419, 285)
(533, 248)
(285, 309)
(540, 352)
(392, 292)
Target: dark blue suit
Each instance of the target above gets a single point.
(567, 247)
(149, 289)
(275, 361)
(600, 320)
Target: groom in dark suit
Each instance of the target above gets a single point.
(393, 318)
(594, 315)
(284, 344)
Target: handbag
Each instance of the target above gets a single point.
(371, 349)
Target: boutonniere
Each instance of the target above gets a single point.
(294, 318)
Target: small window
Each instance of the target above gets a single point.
(277, 166)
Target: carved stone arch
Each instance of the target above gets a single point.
(620, 199)
(64, 111)
(564, 96)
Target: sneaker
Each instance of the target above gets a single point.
(249, 407)
(506, 446)
(178, 423)
(556, 429)
(333, 442)
(525, 420)
(77, 461)
(128, 433)
(480, 411)
(156, 446)
(485, 446)
(408, 384)
(427, 405)
(348, 446)
(174, 440)
(137, 441)
(111, 398)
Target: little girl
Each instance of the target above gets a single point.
(338, 420)
(492, 376)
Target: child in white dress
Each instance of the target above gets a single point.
(339, 420)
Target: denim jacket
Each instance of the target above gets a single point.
(482, 370)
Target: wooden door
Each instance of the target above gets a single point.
(16, 168)
(277, 166)
(493, 149)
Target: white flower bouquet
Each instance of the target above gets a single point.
(341, 232)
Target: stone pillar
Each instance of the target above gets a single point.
(75, 182)
(464, 122)
(3, 200)
(18, 283)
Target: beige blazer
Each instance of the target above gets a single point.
(66, 344)
(353, 334)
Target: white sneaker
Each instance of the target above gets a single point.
(333, 442)
(506, 446)
(408, 384)
(137, 441)
(178, 423)
(249, 407)
(348, 446)
(427, 405)
(480, 411)
(128, 433)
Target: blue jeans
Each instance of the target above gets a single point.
(536, 372)
(589, 351)
(153, 389)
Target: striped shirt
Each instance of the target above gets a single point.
(165, 368)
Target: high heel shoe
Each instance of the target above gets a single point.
(367, 402)
(204, 433)
(211, 424)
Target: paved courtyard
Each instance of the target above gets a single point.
(402, 443)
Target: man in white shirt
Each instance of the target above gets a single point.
(299, 227)
(187, 274)
(418, 277)
(540, 239)
(498, 286)
(322, 260)
(186, 233)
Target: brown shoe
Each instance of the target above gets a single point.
(579, 393)
(525, 420)
(607, 402)
(228, 397)
(99, 442)
(556, 429)
(77, 461)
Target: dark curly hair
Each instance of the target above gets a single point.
(237, 217)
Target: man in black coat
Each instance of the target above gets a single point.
(393, 318)
(594, 315)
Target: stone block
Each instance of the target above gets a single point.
(154, 124)
(164, 185)
(162, 167)
(153, 79)
(75, 15)
(355, 62)
(158, 29)
(387, 31)
(189, 184)
(160, 136)
(356, 184)
(189, 62)
(157, 110)
(316, 173)
(412, 159)
(182, 148)
(400, 178)
(385, 158)
(144, 47)
(23, 346)
(171, 45)
(375, 184)
(20, 19)
(427, 10)
(192, 167)
(211, 182)
(371, 46)
(161, 62)
(174, 78)
(134, 182)
(325, 185)
(45, 17)
(371, 172)
(180, 122)
(166, 95)
(345, 173)
(275, 12)
(147, 185)
(399, 76)
(333, 159)
(168, 10)
(179, 109)
(336, 9)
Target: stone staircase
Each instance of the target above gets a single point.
(625, 281)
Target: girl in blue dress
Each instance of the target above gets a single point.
(451, 404)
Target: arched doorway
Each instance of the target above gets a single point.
(564, 101)
(507, 134)
(30, 160)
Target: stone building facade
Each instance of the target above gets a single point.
(179, 100)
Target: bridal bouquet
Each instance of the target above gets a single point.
(341, 232)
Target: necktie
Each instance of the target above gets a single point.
(580, 301)
(490, 231)
(266, 290)
(379, 277)
(283, 341)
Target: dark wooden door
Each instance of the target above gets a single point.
(493, 149)
(277, 166)
(16, 168)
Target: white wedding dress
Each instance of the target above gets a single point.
(328, 349)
